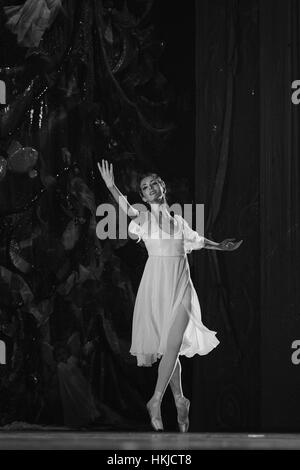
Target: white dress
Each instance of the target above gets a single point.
(166, 283)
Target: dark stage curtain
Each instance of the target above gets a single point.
(226, 382)
(279, 214)
(247, 175)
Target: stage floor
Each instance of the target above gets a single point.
(86, 440)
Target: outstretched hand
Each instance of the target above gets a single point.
(229, 244)
(106, 172)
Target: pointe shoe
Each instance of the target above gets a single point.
(183, 406)
(153, 407)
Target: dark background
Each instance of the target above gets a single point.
(177, 63)
(226, 137)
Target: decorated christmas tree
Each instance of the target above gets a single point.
(79, 81)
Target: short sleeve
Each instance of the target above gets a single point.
(192, 239)
(135, 229)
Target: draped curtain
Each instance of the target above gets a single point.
(226, 383)
(279, 215)
(247, 175)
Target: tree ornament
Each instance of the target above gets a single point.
(16, 257)
(23, 160)
(108, 34)
(14, 146)
(33, 173)
(3, 167)
(70, 235)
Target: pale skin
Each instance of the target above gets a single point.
(169, 370)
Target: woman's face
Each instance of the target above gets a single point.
(152, 191)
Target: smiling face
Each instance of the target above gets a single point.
(152, 190)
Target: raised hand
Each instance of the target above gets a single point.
(229, 244)
(106, 172)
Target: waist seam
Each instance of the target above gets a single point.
(167, 256)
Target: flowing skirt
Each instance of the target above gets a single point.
(166, 284)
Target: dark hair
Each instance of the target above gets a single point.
(157, 177)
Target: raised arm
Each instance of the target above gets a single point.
(107, 173)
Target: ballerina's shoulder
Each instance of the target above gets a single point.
(135, 226)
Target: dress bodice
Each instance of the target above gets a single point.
(160, 247)
(161, 243)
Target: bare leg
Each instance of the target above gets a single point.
(182, 403)
(175, 381)
(168, 362)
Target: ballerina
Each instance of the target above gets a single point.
(167, 316)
